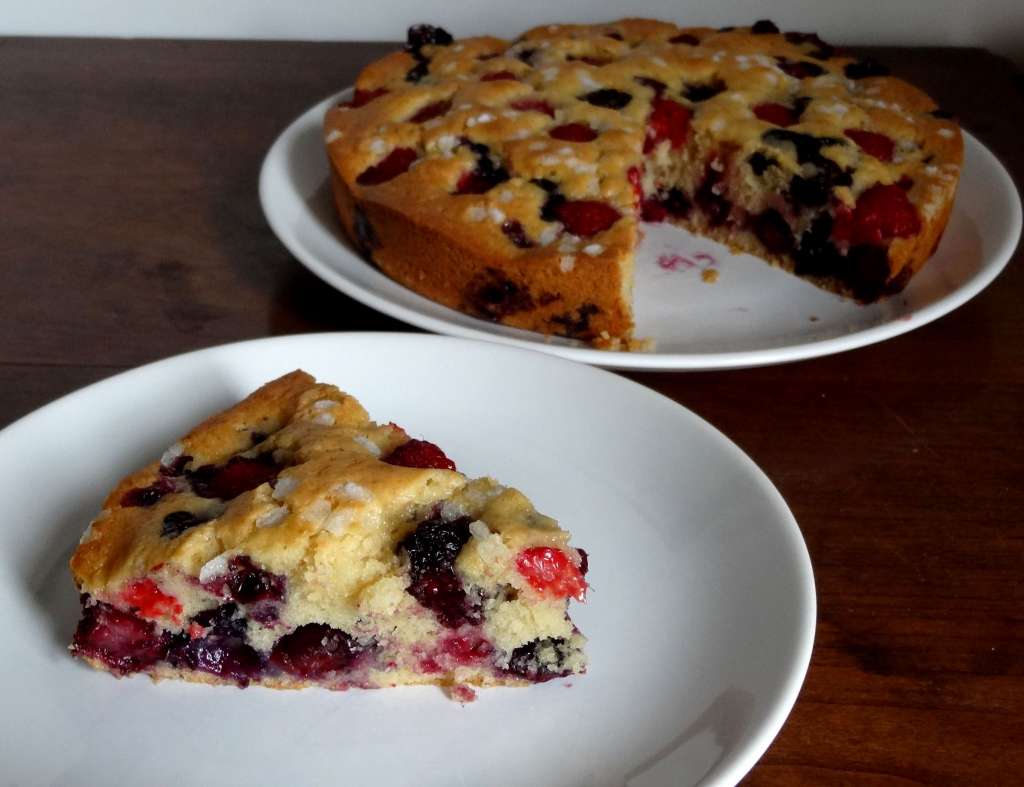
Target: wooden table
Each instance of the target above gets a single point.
(130, 230)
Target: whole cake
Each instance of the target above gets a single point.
(291, 541)
(509, 179)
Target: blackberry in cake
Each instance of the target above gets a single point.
(290, 541)
(509, 179)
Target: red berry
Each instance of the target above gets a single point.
(363, 97)
(573, 132)
(877, 145)
(393, 165)
(420, 453)
(146, 597)
(635, 176)
(652, 210)
(778, 114)
(497, 75)
(533, 105)
(669, 120)
(313, 651)
(431, 111)
(123, 641)
(883, 213)
(586, 217)
(239, 475)
(550, 571)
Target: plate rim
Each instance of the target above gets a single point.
(639, 361)
(794, 672)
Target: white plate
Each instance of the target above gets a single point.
(701, 616)
(751, 316)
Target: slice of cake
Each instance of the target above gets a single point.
(290, 541)
(509, 179)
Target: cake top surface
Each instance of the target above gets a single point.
(297, 478)
(497, 124)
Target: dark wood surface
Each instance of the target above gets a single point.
(130, 230)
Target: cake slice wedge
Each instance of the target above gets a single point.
(290, 541)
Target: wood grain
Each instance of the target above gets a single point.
(131, 231)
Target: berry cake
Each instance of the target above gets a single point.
(509, 180)
(290, 541)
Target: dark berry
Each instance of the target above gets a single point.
(865, 270)
(669, 120)
(866, 67)
(514, 231)
(702, 92)
(547, 185)
(763, 27)
(773, 232)
(533, 105)
(808, 147)
(584, 561)
(435, 544)
(419, 453)
(246, 583)
(314, 651)
(431, 111)
(799, 69)
(432, 549)
(146, 496)
(366, 235)
(656, 85)
(663, 204)
(821, 50)
(123, 641)
(418, 71)
(225, 620)
(239, 475)
(573, 132)
(685, 38)
(585, 218)
(576, 324)
(177, 522)
(178, 464)
(759, 163)
(419, 36)
(872, 143)
(487, 173)
(227, 656)
(526, 663)
(491, 294)
(607, 97)
(715, 205)
(498, 76)
(815, 254)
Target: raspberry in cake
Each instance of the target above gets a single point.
(509, 179)
(290, 541)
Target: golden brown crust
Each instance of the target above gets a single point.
(111, 538)
(440, 243)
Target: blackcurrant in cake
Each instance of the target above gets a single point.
(508, 179)
(290, 541)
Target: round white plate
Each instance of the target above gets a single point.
(751, 316)
(700, 619)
